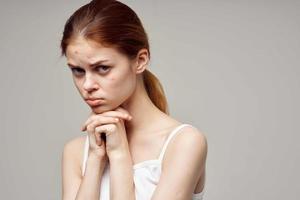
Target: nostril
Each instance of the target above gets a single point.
(90, 86)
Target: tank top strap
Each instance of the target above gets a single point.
(171, 135)
(85, 154)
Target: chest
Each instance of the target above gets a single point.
(147, 147)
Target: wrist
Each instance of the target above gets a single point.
(118, 155)
(96, 158)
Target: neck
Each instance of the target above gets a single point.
(142, 110)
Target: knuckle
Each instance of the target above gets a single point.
(112, 128)
(98, 129)
(90, 127)
(99, 119)
(93, 117)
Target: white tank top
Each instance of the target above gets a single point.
(146, 174)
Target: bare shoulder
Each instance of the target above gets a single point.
(188, 141)
(183, 165)
(190, 135)
(190, 147)
(73, 150)
(191, 132)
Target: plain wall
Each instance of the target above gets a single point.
(230, 68)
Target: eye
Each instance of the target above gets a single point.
(102, 68)
(77, 71)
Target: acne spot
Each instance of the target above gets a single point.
(112, 78)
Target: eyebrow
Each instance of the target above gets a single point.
(91, 65)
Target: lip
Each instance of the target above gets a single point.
(94, 102)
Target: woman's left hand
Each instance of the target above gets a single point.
(116, 138)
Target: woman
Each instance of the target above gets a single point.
(133, 148)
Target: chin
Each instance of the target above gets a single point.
(102, 108)
(99, 109)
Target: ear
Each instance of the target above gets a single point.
(141, 61)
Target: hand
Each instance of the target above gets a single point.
(111, 123)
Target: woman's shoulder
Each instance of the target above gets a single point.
(191, 133)
(191, 138)
(74, 149)
(187, 129)
(189, 144)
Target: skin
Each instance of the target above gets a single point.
(122, 117)
(120, 86)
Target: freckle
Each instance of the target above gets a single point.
(76, 52)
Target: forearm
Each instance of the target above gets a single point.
(121, 177)
(90, 185)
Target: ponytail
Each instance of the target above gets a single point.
(113, 23)
(155, 91)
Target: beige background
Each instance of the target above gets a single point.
(231, 68)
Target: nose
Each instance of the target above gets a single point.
(90, 83)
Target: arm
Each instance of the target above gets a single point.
(90, 185)
(180, 173)
(74, 185)
(183, 164)
(121, 176)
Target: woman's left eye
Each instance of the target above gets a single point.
(103, 68)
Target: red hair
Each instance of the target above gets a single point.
(114, 24)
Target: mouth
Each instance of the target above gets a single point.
(94, 102)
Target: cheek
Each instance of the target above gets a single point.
(123, 86)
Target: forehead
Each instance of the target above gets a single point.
(82, 50)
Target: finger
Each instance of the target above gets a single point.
(119, 114)
(89, 120)
(95, 138)
(100, 135)
(106, 129)
(99, 140)
(92, 139)
(102, 131)
(116, 114)
(100, 120)
(122, 110)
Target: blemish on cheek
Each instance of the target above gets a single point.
(115, 81)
